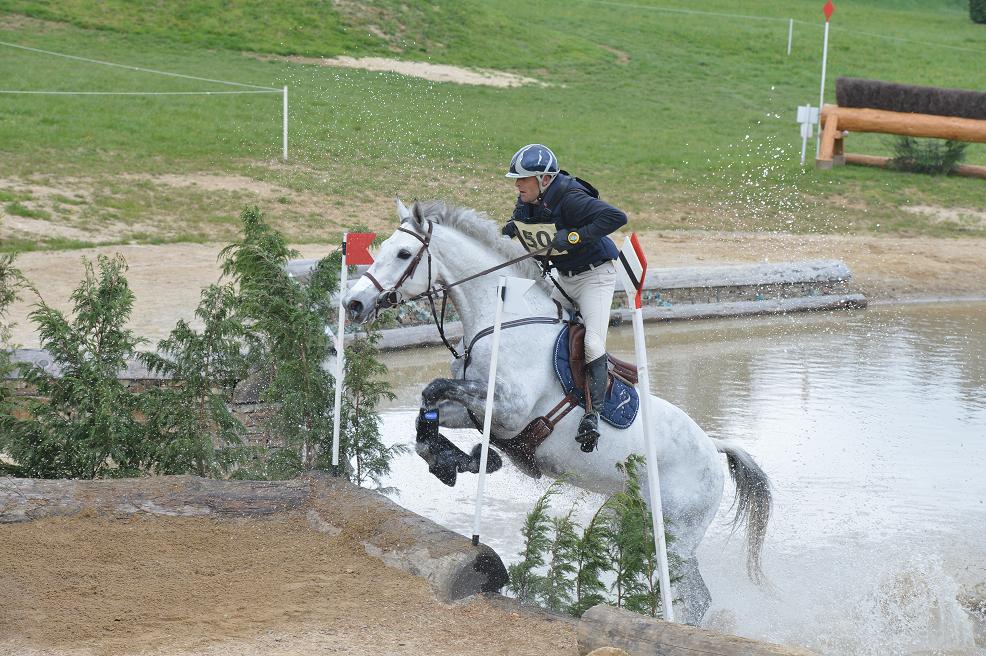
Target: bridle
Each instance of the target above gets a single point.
(388, 298)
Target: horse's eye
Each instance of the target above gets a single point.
(404, 254)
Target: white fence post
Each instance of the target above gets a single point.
(285, 123)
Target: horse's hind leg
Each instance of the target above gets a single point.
(695, 596)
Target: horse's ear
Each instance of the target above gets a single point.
(416, 211)
(403, 213)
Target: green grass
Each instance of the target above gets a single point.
(695, 130)
(18, 209)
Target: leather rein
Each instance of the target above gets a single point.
(388, 298)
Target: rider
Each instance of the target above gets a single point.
(580, 252)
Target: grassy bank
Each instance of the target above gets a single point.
(682, 113)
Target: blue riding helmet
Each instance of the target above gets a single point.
(533, 159)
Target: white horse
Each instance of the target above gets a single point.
(439, 244)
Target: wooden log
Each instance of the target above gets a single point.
(827, 144)
(605, 626)
(448, 561)
(962, 170)
(409, 542)
(27, 499)
(911, 125)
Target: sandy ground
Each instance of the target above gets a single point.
(167, 279)
(435, 72)
(138, 585)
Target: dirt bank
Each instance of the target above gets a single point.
(167, 279)
(141, 585)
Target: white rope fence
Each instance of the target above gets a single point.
(253, 88)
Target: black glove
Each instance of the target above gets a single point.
(509, 229)
(565, 240)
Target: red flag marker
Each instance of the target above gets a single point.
(829, 9)
(357, 247)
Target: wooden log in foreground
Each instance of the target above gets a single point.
(606, 626)
(402, 539)
(962, 170)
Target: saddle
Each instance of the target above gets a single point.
(618, 369)
(619, 410)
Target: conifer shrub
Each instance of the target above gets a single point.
(611, 560)
(931, 156)
(85, 423)
(189, 427)
(11, 281)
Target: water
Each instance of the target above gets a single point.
(872, 426)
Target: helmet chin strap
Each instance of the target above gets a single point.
(542, 186)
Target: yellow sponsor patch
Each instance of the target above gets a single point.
(574, 238)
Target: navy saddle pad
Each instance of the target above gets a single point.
(622, 401)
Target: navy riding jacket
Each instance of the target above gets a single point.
(569, 206)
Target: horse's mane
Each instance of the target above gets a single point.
(477, 225)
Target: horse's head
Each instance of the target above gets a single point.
(400, 270)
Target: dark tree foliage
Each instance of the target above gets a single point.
(564, 569)
(977, 10)
(11, 282)
(360, 446)
(892, 97)
(189, 427)
(525, 581)
(287, 341)
(87, 427)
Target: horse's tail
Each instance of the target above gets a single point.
(753, 502)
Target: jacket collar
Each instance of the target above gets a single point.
(556, 190)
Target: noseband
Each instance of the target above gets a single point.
(388, 298)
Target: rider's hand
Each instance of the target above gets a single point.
(565, 240)
(509, 229)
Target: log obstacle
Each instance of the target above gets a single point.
(400, 538)
(605, 626)
(962, 170)
(953, 122)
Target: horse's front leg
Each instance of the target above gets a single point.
(449, 402)
(510, 406)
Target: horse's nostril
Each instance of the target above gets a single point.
(355, 308)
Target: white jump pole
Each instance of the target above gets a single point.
(821, 94)
(340, 354)
(633, 270)
(656, 506)
(501, 289)
(285, 137)
(790, 35)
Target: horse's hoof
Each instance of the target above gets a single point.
(493, 460)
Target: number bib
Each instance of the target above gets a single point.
(533, 237)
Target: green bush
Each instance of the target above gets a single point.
(10, 282)
(86, 426)
(564, 570)
(189, 427)
(977, 10)
(931, 156)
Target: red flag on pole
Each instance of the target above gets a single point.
(829, 9)
(633, 269)
(357, 247)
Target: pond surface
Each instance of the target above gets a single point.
(872, 427)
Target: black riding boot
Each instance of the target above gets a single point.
(596, 382)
